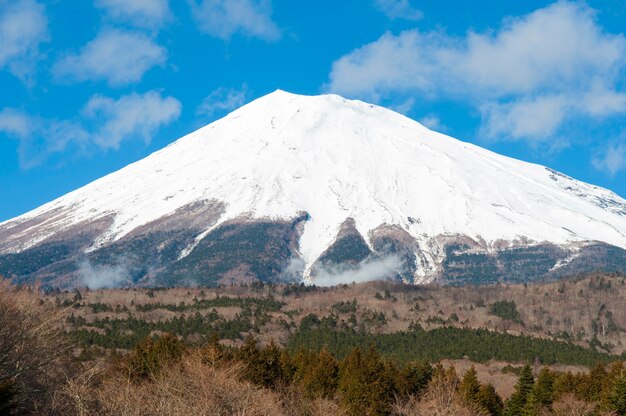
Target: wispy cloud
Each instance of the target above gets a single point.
(223, 100)
(225, 18)
(142, 13)
(432, 122)
(134, 116)
(612, 159)
(39, 137)
(104, 124)
(527, 79)
(116, 56)
(23, 28)
(398, 9)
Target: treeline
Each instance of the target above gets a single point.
(266, 304)
(479, 345)
(126, 333)
(366, 383)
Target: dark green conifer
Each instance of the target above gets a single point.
(366, 383)
(319, 376)
(413, 379)
(617, 396)
(489, 400)
(470, 386)
(524, 386)
(543, 390)
(151, 355)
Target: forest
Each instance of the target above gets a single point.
(373, 349)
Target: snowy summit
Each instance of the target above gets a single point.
(318, 187)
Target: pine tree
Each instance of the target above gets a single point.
(617, 396)
(543, 390)
(413, 379)
(269, 365)
(616, 371)
(151, 355)
(318, 377)
(564, 383)
(489, 400)
(589, 386)
(470, 386)
(532, 407)
(352, 384)
(366, 383)
(524, 386)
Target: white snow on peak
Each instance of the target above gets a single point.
(334, 158)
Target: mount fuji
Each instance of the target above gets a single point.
(319, 189)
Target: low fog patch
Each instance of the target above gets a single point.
(103, 276)
(366, 271)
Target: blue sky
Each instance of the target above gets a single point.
(88, 87)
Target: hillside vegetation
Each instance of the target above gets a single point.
(378, 348)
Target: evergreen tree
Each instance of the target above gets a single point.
(489, 400)
(616, 371)
(523, 388)
(543, 390)
(413, 379)
(150, 355)
(589, 386)
(352, 384)
(617, 396)
(564, 383)
(532, 407)
(269, 365)
(318, 377)
(366, 383)
(470, 386)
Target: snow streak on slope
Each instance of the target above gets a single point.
(285, 154)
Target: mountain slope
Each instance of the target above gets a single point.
(311, 164)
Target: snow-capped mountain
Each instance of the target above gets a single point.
(315, 187)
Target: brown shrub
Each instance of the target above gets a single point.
(295, 402)
(441, 399)
(569, 405)
(190, 387)
(32, 349)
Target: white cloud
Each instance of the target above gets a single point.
(612, 159)
(366, 271)
(225, 18)
(14, 122)
(534, 119)
(117, 56)
(404, 106)
(398, 9)
(389, 65)
(23, 27)
(432, 122)
(103, 276)
(554, 47)
(133, 116)
(223, 100)
(527, 78)
(39, 137)
(142, 13)
(105, 124)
